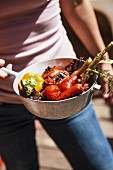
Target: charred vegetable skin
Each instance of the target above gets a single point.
(60, 84)
(51, 92)
(54, 84)
(30, 85)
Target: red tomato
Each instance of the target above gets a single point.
(51, 92)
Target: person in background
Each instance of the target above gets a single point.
(32, 31)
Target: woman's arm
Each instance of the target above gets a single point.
(83, 21)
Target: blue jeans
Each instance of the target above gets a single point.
(79, 137)
(81, 140)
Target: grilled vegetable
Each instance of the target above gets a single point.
(51, 92)
(97, 59)
(27, 90)
(52, 72)
(77, 88)
(83, 67)
(67, 82)
(32, 79)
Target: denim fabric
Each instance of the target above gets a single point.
(17, 138)
(81, 140)
(79, 137)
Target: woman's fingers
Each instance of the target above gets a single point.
(9, 66)
(2, 62)
(2, 73)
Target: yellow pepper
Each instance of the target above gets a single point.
(34, 79)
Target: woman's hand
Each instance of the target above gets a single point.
(104, 83)
(2, 73)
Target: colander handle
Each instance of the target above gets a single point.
(95, 86)
(10, 72)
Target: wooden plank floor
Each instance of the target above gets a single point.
(50, 157)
